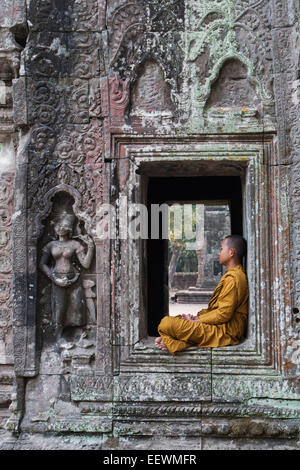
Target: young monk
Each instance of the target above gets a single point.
(224, 321)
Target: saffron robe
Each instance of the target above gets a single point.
(221, 324)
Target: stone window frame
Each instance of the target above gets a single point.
(254, 154)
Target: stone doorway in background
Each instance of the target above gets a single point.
(218, 201)
(195, 234)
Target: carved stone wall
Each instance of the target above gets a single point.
(96, 97)
(12, 36)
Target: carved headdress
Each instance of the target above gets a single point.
(65, 216)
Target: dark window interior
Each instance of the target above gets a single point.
(161, 190)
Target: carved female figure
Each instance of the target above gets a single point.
(57, 263)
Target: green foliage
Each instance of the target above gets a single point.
(187, 261)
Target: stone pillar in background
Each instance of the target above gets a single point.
(201, 254)
(201, 243)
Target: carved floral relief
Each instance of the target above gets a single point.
(225, 31)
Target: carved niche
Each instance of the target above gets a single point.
(133, 36)
(150, 92)
(49, 15)
(233, 32)
(233, 88)
(66, 279)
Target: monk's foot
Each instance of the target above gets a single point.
(162, 346)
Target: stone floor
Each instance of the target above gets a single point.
(177, 309)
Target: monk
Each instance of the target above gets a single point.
(223, 322)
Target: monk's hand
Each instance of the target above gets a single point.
(189, 317)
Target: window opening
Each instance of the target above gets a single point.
(195, 234)
(219, 203)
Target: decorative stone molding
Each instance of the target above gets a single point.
(118, 95)
(246, 157)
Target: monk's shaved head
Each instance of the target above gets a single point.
(238, 243)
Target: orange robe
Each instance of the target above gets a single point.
(221, 324)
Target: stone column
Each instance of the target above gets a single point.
(201, 254)
(200, 244)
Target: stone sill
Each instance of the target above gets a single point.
(147, 345)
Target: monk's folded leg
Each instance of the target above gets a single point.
(176, 333)
(173, 345)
